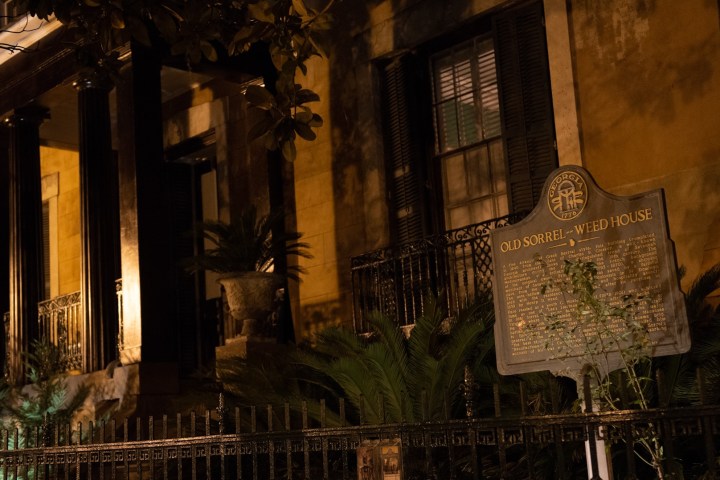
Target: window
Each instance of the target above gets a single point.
(468, 142)
(482, 144)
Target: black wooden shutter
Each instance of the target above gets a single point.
(526, 103)
(404, 147)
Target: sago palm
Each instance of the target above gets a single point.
(391, 378)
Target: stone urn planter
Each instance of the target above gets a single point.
(251, 300)
(242, 252)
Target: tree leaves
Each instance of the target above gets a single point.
(282, 117)
(197, 29)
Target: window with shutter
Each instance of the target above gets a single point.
(492, 119)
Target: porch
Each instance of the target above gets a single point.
(395, 281)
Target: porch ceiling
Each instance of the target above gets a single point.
(62, 127)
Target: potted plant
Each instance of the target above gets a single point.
(242, 252)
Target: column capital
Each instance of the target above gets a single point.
(28, 115)
(93, 78)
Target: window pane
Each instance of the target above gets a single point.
(458, 217)
(487, 85)
(486, 63)
(444, 79)
(490, 112)
(454, 174)
(469, 122)
(482, 210)
(463, 72)
(501, 205)
(46, 249)
(467, 116)
(478, 173)
(497, 166)
(447, 126)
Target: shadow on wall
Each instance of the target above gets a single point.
(622, 44)
(363, 31)
(317, 317)
(353, 157)
(693, 206)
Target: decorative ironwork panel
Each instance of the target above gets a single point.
(396, 281)
(60, 323)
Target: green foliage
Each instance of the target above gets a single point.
(247, 245)
(386, 377)
(273, 377)
(607, 333)
(390, 378)
(594, 333)
(208, 29)
(680, 371)
(46, 401)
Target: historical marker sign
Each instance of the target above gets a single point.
(626, 237)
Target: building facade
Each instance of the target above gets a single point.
(442, 119)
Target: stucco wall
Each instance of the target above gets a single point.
(65, 164)
(635, 97)
(647, 76)
(340, 177)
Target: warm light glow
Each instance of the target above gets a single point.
(25, 33)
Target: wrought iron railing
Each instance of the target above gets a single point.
(60, 323)
(397, 280)
(278, 441)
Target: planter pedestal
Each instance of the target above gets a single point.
(251, 298)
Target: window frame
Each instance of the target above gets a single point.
(533, 139)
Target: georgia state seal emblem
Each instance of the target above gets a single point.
(567, 195)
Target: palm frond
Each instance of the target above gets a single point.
(246, 245)
(389, 382)
(335, 341)
(359, 387)
(425, 328)
(392, 337)
(695, 300)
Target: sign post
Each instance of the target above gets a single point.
(626, 237)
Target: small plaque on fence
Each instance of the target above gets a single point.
(379, 460)
(626, 237)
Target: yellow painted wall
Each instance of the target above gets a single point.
(647, 77)
(636, 100)
(316, 216)
(65, 163)
(340, 177)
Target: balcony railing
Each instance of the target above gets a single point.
(60, 323)
(397, 280)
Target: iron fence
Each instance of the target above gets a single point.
(397, 280)
(277, 442)
(60, 323)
